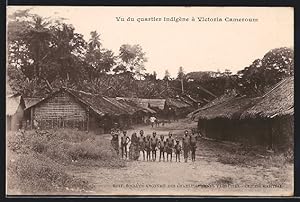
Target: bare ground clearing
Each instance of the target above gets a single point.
(220, 169)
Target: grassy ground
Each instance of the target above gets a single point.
(65, 161)
(38, 162)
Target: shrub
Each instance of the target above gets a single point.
(33, 173)
(69, 135)
(38, 159)
(88, 152)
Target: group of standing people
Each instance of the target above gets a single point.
(149, 145)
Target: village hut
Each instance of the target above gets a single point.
(220, 120)
(273, 115)
(163, 108)
(222, 99)
(156, 106)
(68, 108)
(266, 120)
(142, 113)
(15, 106)
(176, 108)
(192, 101)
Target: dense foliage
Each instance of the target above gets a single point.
(45, 54)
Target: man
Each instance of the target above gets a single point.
(154, 141)
(157, 122)
(186, 145)
(152, 121)
(162, 147)
(142, 143)
(177, 151)
(124, 142)
(148, 147)
(115, 141)
(170, 145)
(193, 144)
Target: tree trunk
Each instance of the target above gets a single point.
(182, 91)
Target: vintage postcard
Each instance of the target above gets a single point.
(192, 101)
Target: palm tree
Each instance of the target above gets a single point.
(94, 42)
(38, 37)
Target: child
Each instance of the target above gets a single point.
(169, 146)
(193, 144)
(162, 147)
(177, 150)
(148, 147)
(124, 142)
(141, 140)
(186, 145)
(154, 142)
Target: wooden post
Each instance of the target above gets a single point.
(87, 120)
(270, 133)
(31, 118)
(272, 146)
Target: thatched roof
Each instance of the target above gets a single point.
(230, 109)
(277, 102)
(135, 105)
(123, 105)
(31, 101)
(99, 104)
(222, 99)
(12, 104)
(192, 101)
(146, 103)
(177, 103)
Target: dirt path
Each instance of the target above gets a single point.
(206, 176)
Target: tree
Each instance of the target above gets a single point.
(154, 75)
(67, 52)
(94, 42)
(132, 60)
(28, 42)
(264, 73)
(167, 77)
(99, 61)
(180, 76)
(44, 51)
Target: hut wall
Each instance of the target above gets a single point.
(106, 123)
(14, 122)
(124, 121)
(272, 133)
(283, 132)
(60, 111)
(138, 117)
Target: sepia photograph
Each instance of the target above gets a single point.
(149, 101)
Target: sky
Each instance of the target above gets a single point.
(194, 45)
